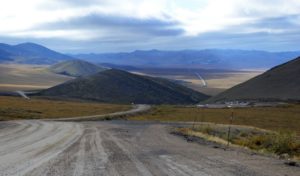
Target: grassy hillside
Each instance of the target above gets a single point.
(19, 108)
(273, 118)
(279, 83)
(75, 68)
(116, 86)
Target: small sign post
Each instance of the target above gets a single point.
(229, 128)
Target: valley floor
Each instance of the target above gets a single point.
(216, 81)
(28, 77)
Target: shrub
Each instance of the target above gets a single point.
(284, 142)
(279, 143)
(207, 129)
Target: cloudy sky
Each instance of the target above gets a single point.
(76, 26)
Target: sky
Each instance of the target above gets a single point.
(100, 26)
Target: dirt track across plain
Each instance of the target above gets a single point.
(119, 148)
(136, 109)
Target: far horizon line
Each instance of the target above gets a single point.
(153, 49)
(178, 50)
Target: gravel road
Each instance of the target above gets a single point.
(36, 148)
(139, 108)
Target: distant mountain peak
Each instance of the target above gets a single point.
(30, 53)
(28, 44)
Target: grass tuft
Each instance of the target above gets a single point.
(271, 118)
(280, 143)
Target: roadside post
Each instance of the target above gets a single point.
(201, 110)
(195, 118)
(229, 127)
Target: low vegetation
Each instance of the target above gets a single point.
(285, 144)
(281, 118)
(274, 129)
(271, 85)
(117, 86)
(17, 108)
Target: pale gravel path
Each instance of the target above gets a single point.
(30, 143)
(139, 108)
(37, 148)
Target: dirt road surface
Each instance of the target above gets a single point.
(117, 148)
(139, 108)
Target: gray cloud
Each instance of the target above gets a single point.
(224, 40)
(283, 22)
(127, 34)
(120, 30)
(152, 27)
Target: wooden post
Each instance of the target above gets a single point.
(229, 129)
(195, 120)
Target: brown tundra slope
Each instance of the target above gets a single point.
(279, 83)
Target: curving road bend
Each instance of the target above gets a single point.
(139, 108)
(117, 148)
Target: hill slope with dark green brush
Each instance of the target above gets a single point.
(116, 86)
(279, 83)
(75, 68)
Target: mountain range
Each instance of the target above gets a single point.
(209, 58)
(30, 53)
(281, 83)
(116, 86)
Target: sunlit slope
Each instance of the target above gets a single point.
(76, 68)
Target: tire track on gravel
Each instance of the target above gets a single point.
(115, 148)
(45, 141)
(124, 161)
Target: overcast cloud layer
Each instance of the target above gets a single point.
(124, 25)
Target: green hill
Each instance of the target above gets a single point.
(116, 86)
(75, 68)
(279, 83)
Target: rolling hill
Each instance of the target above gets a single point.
(75, 68)
(116, 86)
(30, 53)
(279, 83)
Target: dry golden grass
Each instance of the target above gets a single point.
(18, 108)
(282, 143)
(271, 118)
(28, 77)
(216, 81)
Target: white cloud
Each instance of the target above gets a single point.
(20, 18)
